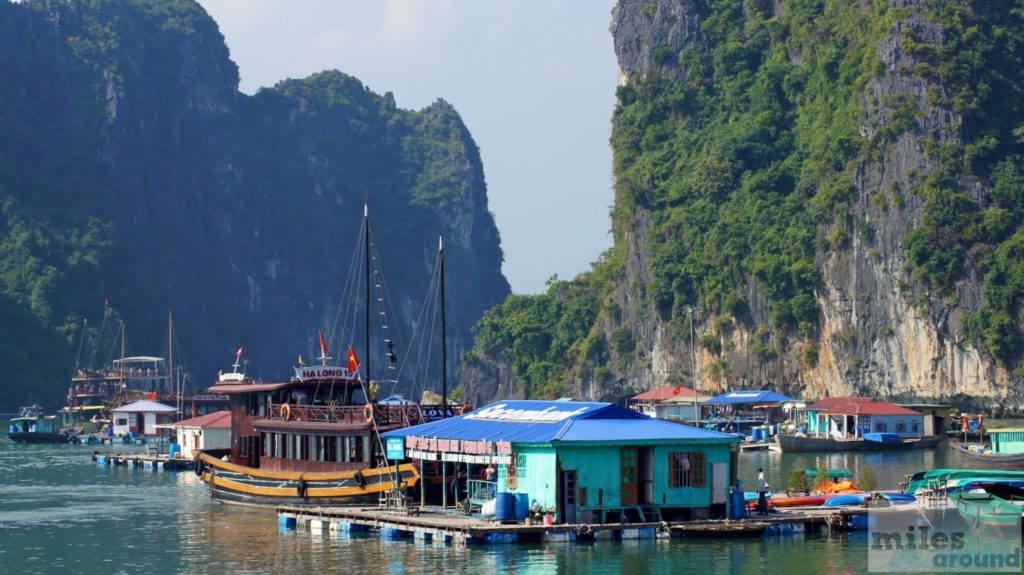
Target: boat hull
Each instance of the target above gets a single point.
(241, 485)
(793, 443)
(995, 460)
(980, 510)
(804, 501)
(38, 437)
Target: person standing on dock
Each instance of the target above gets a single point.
(762, 491)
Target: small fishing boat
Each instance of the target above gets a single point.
(800, 501)
(1005, 448)
(845, 500)
(32, 426)
(981, 509)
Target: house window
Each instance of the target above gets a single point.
(121, 421)
(686, 469)
(881, 426)
(901, 426)
(515, 471)
(913, 426)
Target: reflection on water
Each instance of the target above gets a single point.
(61, 513)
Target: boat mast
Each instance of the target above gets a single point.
(123, 392)
(171, 383)
(366, 245)
(444, 347)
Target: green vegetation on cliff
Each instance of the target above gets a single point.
(131, 168)
(741, 151)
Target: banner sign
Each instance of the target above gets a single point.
(458, 450)
(324, 372)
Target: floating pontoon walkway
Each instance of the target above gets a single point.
(436, 525)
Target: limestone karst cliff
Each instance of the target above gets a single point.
(830, 191)
(133, 170)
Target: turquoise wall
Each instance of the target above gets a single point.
(1009, 442)
(598, 470)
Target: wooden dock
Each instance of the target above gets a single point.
(447, 526)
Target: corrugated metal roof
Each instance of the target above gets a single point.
(144, 405)
(528, 421)
(746, 397)
(665, 393)
(858, 406)
(215, 420)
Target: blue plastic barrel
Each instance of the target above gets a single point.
(504, 508)
(173, 450)
(737, 505)
(755, 434)
(13, 428)
(522, 506)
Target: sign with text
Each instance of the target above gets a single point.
(979, 533)
(395, 448)
(458, 450)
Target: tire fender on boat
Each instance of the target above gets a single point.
(198, 467)
(301, 487)
(359, 479)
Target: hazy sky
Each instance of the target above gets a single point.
(534, 80)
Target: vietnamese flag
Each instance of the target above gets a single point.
(353, 361)
(323, 344)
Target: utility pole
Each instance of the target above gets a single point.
(693, 367)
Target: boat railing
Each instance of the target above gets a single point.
(404, 414)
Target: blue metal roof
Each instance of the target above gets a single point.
(748, 397)
(530, 421)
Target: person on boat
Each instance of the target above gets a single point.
(762, 490)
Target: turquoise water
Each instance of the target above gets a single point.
(60, 513)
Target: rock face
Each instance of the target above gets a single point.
(880, 330)
(877, 335)
(239, 213)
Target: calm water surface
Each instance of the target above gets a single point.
(60, 513)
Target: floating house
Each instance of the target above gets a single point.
(141, 417)
(853, 417)
(669, 402)
(743, 411)
(206, 432)
(585, 462)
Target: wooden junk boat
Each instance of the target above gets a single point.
(311, 440)
(315, 439)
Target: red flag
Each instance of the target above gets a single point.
(239, 352)
(323, 344)
(353, 361)
(152, 395)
